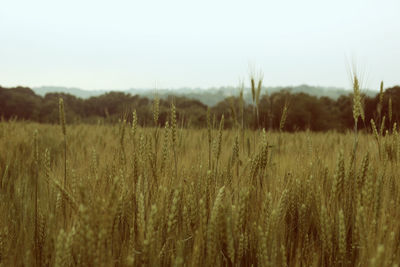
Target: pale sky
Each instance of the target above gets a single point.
(94, 44)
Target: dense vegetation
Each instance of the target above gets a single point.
(125, 195)
(120, 194)
(210, 96)
(304, 111)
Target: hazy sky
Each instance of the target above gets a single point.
(96, 44)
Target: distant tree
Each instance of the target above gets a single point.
(305, 111)
(19, 102)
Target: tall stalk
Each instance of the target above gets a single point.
(209, 126)
(357, 112)
(36, 162)
(156, 113)
(174, 136)
(64, 132)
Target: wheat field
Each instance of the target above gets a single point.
(123, 195)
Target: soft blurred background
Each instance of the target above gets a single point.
(121, 44)
(107, 58)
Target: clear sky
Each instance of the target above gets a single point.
(121, 44)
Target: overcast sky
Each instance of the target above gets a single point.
(94, 44)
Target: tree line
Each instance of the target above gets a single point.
(303, 111)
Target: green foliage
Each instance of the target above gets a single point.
(305, 112)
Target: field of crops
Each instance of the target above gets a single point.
(122, 195)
